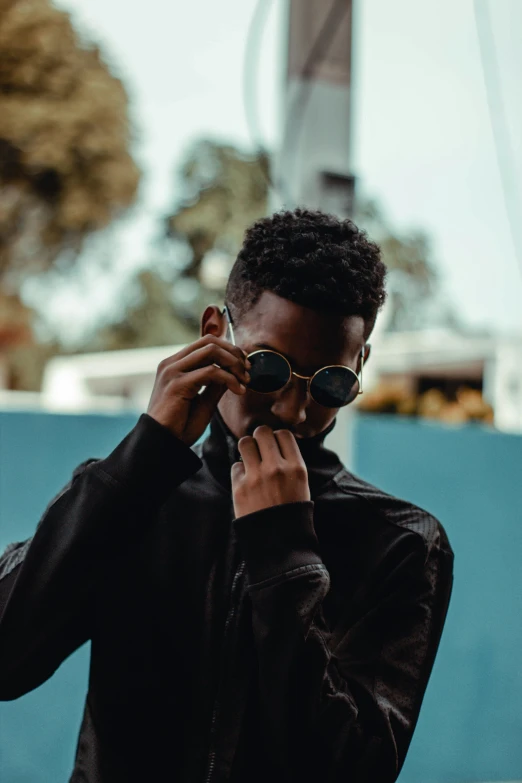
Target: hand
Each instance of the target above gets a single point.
(176, 401)
(272, 472)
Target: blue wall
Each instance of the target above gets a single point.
(470, 727)
(38, 452)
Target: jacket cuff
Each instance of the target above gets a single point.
(150, 461)
(278, 539)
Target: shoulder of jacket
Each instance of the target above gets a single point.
(396, 511)
(83, 465)
(15, 552)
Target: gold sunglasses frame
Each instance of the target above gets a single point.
(308, 378)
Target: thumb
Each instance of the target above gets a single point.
(209, 398)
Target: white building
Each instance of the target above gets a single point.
(123, 380)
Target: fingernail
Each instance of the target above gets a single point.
(242, 387)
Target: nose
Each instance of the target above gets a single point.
(291, 403)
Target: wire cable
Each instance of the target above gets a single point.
(250, 69)
(499, 126)
(250, 101)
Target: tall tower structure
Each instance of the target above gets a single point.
(313, 166)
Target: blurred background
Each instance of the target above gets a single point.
(138, 143)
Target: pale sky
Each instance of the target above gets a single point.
(422, 142)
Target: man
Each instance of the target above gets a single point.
(257, 613)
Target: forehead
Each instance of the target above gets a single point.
(311, 338)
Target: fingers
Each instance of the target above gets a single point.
(208, 399)
(208, 339)
(213, 354)
(270, 447)
(237, 471)
(249, 451)
(267, 444)
(288, 446)
(194, 381)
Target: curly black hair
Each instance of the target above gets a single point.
(313, 259)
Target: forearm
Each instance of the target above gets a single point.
(46, 584)
(339, 702)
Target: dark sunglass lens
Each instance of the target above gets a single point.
(269, 372)
(334, 387)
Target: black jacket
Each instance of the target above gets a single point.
(293, 644)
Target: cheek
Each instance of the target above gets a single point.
(247, 405)
(255, 403)
(319, 417)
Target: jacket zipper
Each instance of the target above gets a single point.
(230, 617)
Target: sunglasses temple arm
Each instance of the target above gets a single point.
(229, 321)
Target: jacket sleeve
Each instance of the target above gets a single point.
(47, 583)
(340, 704)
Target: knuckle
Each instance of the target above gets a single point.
(255, 483)
(276, 471)
(301, 473)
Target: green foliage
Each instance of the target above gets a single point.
(150, 319)
(222, 192)
(413, 280)
(65, 165)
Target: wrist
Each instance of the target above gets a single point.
(278, 539)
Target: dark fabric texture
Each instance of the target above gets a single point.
(292, 644)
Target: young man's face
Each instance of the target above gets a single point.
(309, 340)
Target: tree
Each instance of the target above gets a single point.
(65, 165)
(15, 322)
(149, 318)
(415, 297)
(22, 358)
(222, 191)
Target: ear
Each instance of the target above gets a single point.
(213, 322)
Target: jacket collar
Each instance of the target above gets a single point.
(220, 451)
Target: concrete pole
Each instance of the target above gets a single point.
(313, 166)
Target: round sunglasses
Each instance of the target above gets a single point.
(333, 386)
